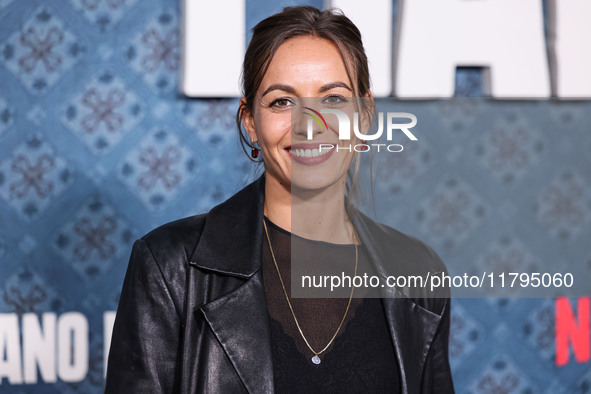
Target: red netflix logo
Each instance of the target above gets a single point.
(573, 330)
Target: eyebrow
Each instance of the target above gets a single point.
(285, 88)
(291, 90)
(335, 85)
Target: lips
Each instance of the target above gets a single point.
(310, 154)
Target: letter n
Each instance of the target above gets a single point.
(571, 330)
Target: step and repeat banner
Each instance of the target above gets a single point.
(107, 131)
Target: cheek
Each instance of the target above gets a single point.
(273, 127)
(333, 124)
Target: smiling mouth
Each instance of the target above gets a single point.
(311, 152)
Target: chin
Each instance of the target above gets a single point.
(310, 182)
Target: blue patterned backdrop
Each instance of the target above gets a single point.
(97, 148)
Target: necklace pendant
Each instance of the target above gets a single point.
(316, 359)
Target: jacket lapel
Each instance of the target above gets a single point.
(412, 327)
(231, 245)
(241, 326)
(231, 239)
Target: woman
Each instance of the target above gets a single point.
(206, 304)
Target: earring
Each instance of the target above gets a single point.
(254, 152)
(365, 146)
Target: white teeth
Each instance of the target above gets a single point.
(311, 152)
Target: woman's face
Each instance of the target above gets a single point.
(307, 72)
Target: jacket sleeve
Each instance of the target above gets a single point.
(144, 354)
(438, 378)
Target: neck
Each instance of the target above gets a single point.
(313, 214)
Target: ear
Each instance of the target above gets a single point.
(248, 121)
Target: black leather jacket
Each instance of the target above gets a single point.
(192, 317)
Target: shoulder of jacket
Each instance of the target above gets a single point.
(412, 248)
(436, 301)
(171, 243)
(411, 256)
(428, 254)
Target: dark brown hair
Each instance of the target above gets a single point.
(297, 21)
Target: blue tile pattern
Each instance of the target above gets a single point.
(97, 148)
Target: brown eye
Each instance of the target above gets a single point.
(282, 103)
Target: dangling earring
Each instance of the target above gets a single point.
(254, 152)
(365, 146)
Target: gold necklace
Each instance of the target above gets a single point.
(315, 359)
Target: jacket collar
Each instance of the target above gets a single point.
(231, 239)
(230, 244)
